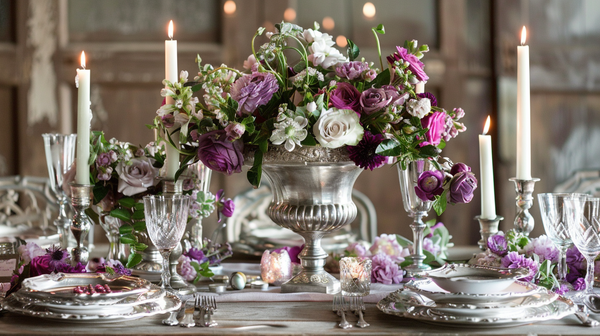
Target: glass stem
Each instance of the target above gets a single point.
(166, 271)
(562, 264)
(589, 277)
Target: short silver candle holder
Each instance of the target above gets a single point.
(172, 187)
(81, 199)
(488, 227)
(524, 222)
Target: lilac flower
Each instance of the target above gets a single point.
(357, 249)
(429, 96)
(253, 90)
(196, 255)
(345, 97)
(543, 247)
(515, 260)
(462, 187)
(363, 154)
(498, 245)
(219, 154)
(429, 185)
(351, 70)
(579, 284)
(388, 245)
(225, 207)
(385, 270)
(117, 267)
(434, 123)
(57, 256)
(185, 268)
(414, 64)
(104, 173)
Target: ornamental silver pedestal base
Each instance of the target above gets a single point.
(524, 221)
(81, 199)
(488, 228)
(312, 196)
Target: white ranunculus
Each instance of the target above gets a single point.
(336, 128)
(324, 55)
(419, 108)
(316, 36)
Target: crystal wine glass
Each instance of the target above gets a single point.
(166, 219)
(584, 227)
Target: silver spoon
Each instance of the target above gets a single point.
(592, 302)
(584, 317)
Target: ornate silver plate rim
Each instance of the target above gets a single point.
(470, 298)
(555, 310)
(40, 287)
(476, 273)
(166, 304)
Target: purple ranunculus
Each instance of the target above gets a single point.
(498, 245)
(462, 187)
(137, 176)
(219, 154)
(579, 284)
(345, 97)
(414, 64)
(195, 254)
(104, 173)
(375, 99)
(106, 159)
(516, 260)
(429, 96)
(292, 251)
(363, 154)
(253, 90)
(385, 270)
(459, 168)
(435, 124)
(351, 70)
(429, 185)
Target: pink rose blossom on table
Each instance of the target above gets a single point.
(185, 268)
(543, 247)
(358, 249)
(388, 245)
(385, 270)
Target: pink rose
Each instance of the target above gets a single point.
(136, 177)
(435, 123)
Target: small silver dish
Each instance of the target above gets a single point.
(474, 279)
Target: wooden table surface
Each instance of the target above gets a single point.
(300, 318)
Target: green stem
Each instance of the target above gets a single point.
(378, 48)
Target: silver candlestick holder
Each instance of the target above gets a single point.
(81, 199)
(488, 228)
(524, 222)
(172, 187)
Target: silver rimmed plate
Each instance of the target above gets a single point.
(475, 279)
(58, 288)
(555, 310)
(517, 290)
(166, 304)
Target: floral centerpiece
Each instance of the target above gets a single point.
(324, 99)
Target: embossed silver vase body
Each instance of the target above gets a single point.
(60, 155)
(417, 209)
(311, 199)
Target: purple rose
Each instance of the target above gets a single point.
(67, 268)
(459, 168)
(414, 64)
(345, 97)
(224, 206)
(219, 154)
(40, 265)
(435, 124)
(498, 245)
(253, 90)
(430, 185)
(429, 96)
(515, 260)
(385, 270)
(373, 99)
(579, 284)
(462, 187)
(196, 255)
(351, 70)
(137, 176)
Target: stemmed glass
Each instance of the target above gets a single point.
(584, 227)
(166, 219)
(554, 218)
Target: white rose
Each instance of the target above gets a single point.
(419, 108)
(336, 128)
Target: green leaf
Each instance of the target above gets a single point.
(309, 141)
(139, 226)
(99, 191)
(380, 29)
(121, 214)
(139, 206)
(382, 79)
(352, 50)
(127, 202)
(429, 151)
(127, 240)
(403, 241)
(254, 175)
(439, 205)
(133, 260)
(389, 147)
(140, 247)
(138, 214)
(125, 229)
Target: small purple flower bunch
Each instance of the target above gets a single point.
(194, 263)
(455, 183)
(112, 267)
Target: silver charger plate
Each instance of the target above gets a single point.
(166, 304)
(555, 310)
(58, 288)
(518, 289)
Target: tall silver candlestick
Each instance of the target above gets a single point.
(81, 199)
(488, 228)
(524, 222)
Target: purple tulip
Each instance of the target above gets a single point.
(345, 97)
(219, 154)
(435, 124)
(430, 185)
(498, 245)
(253, 90)
(459, 168)
(462, 187)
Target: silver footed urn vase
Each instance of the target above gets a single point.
(312, 196)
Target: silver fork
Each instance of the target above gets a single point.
(339, 305)
(188, 318)
(358, 306)
(211, 306)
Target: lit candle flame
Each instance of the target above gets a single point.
(83, 59)
(171, 29)
(486, 128)
(523, 35)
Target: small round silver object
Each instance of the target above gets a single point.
(251, 278)
(217, 288)
(258, 284)
(221, 279)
